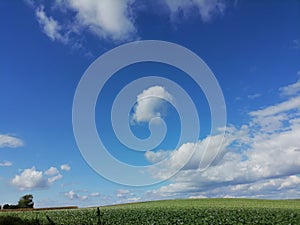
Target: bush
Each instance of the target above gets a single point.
(6, 206)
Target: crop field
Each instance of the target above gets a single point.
(188, 211)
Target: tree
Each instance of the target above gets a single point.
(26, 201)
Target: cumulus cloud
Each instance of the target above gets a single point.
(6, 163)
(258, 159)
(50, 27)
(10, 141)
(110, 20)
(196, 156)
(155, 157)
(72, 195)
(150, 104)
(52, 171)
(30, 179)
(54, 174)
(65, 167)
(206, 9)
(106, 18)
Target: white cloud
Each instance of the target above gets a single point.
(55, 178)
(72, 195)
(50, 27)
(207, 9)
(108, 19)
(112, 20)
(291, 89)
(94, 194)
(257, 160)
(65, 167)
(54, 173)
(121, 193)
(10, 141)
(126, 196)
(155, 157)
(197, 196)
(51, 171)
(150, 104)
(254, 96)
(33, 179)
(29, 179)
(204, 153)
(6, 163)
(291, 104)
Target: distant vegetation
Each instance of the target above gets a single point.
(188, 211)
(25, 201)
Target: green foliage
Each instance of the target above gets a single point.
(193, 211)
(26, 201)
(12, 220)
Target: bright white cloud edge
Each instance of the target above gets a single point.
(31, 178)
(150, 104)
(10, 141)
(258, 159)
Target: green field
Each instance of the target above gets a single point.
(188, 211)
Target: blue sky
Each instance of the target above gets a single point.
(252, 48)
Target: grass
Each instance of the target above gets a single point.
(186, 211)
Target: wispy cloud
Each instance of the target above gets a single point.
(94, 194)
(290, 90)
(207, 9)
(109, 20)
(50, 27)
(293, 103)
(126, 196)
(296, 44)
(6, 163)
(10, 141)
(254, 96)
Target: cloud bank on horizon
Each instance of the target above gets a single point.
(258, 159)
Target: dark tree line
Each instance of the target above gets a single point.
(25, 201)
